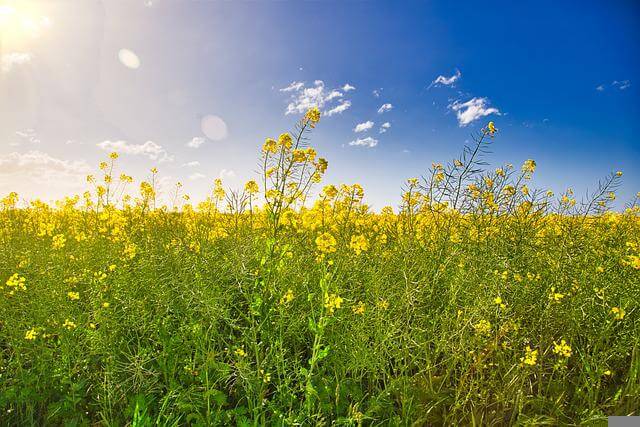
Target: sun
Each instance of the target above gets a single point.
(21, 23)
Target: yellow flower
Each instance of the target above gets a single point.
(251, 187)
(359, 244)
(266, 377)
(285, 140)
(31, 334)
(383, 304)
(330, 191)
(69, 324)
(326, 243)
(218, 190)
(618, 313)
(73, 296)
(498, 301)
(483, 327)
(287, 297)
(17, 282)
(332, 303)
(359, 308)
(113, 155)
(529, 166)
(562, 349)
(313, 116)
(240, 352)
(270, 146)
(555, 296)
(105, 305)
(491, 128)
(530, 357)
(58, 241)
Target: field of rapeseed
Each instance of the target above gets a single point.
(477, 300)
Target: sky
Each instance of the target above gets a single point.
(193, 88)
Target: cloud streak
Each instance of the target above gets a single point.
(149, 149)
(446, 81)
(384, 108)
(368, 142)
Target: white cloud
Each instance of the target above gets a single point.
(347, 87)
(385, 127)
(343, 106)
(196, 142)
(149, 149)
(472, 110)
(41, 166)
(10, 60)
(29, 135)
(293, 87)
(376, 92)
(622, 85)
(303, 98)
(364, 142)
(191, 164)
(600, 88)
(333, 94)
(384, 107)
(361, 127)
(446, 81)
(196, 176)
(226, 173)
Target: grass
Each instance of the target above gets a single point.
(451, 310)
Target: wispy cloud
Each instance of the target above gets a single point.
(29, 135)
(332, 95)
(343, 106)
(41, 166)
(472, 110)
(10, 60)
(622, 85)
(384, 107)
(376, 92)
(149, 149)
(616, 84)
(191, 164)
(446, 81)
(196, 142)
(363, 127)
(301, 98)
(196, 176)
(385, 127)
(368, 142)
(227, 173)
(293, 87)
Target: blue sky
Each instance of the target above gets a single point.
(194, 87)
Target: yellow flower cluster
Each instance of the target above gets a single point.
(562, 348)
(332, 303)
(530, 357)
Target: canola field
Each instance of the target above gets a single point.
(476, 299)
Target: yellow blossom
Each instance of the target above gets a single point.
(530, 357)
